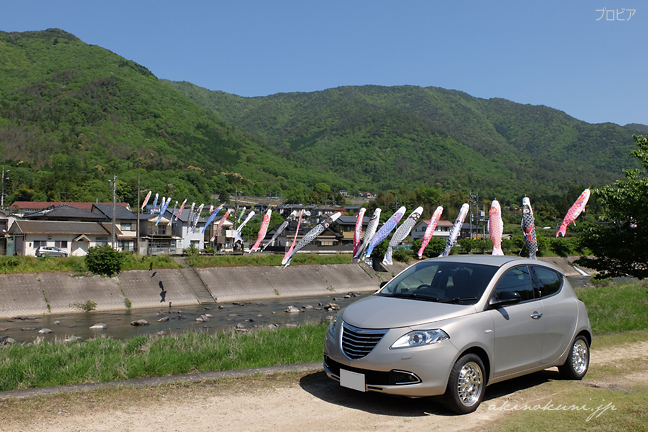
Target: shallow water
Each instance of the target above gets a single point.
(253, 314)
(226, 316)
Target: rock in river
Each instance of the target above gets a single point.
(99, 326)
(139, 323)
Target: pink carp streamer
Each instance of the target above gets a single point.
(429, 231)
(292, 246)
(220, 225)
(358, 230)
(262, 231)
(574, 212)
(148, 195)
(495, 227)
(181, 208)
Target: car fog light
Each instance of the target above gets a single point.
(419, 338)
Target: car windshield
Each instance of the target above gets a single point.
(441, 281)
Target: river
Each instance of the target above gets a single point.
(225, 316)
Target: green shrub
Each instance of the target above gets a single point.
(104, 260)
(88, 306)
(562, 247)
(192, 250)
(401, 255)
(466, 244)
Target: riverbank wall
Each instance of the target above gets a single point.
(57, 293)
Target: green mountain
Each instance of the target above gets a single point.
(390, 137)
(72, 114)
(637, 128)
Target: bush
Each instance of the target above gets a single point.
(88, 306)
(192, 250)
(401, 255)
(466, 244)
(104, 260)
(562, 247)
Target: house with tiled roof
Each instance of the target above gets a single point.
(442, 229)
(125, 220)
(74, 237)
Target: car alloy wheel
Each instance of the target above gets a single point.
(577, 362)
(466, 385)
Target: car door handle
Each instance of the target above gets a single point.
(536, 315)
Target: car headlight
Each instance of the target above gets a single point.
(331, 328)
(420, 338)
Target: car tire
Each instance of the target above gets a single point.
(466, 385)
(578, 360)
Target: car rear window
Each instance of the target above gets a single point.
(548, 280)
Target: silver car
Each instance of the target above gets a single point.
(50, 251)
(451, 326)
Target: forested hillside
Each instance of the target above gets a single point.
(72, 114)
(390, 137)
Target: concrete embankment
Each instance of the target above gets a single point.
(45, 293)
(57, 293)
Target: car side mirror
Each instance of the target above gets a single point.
(383, 283)
(505, 298)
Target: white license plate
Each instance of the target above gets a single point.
(352, 380)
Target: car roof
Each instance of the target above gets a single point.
(494, 260)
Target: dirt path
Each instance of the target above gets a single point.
(286, 402)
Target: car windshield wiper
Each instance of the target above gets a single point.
(415, 296)
(458, 299)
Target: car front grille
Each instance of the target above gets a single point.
(358, 343)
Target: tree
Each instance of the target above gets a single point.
(104, 260)
(619, 243)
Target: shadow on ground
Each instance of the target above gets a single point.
(328, 390)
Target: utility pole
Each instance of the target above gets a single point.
(474, 200)
(114, 185)
(236, 207)
(3, 183)
(137, 233)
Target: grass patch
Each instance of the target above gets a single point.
(30, 264)
(105, 359)
(583, 408)
(265, 260)
(617, 307)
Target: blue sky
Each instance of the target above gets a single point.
(553, 53)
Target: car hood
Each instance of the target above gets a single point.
(389, 312)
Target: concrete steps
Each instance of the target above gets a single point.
(194, 282)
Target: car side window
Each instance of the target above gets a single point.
(548, 280)
(516, 280)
